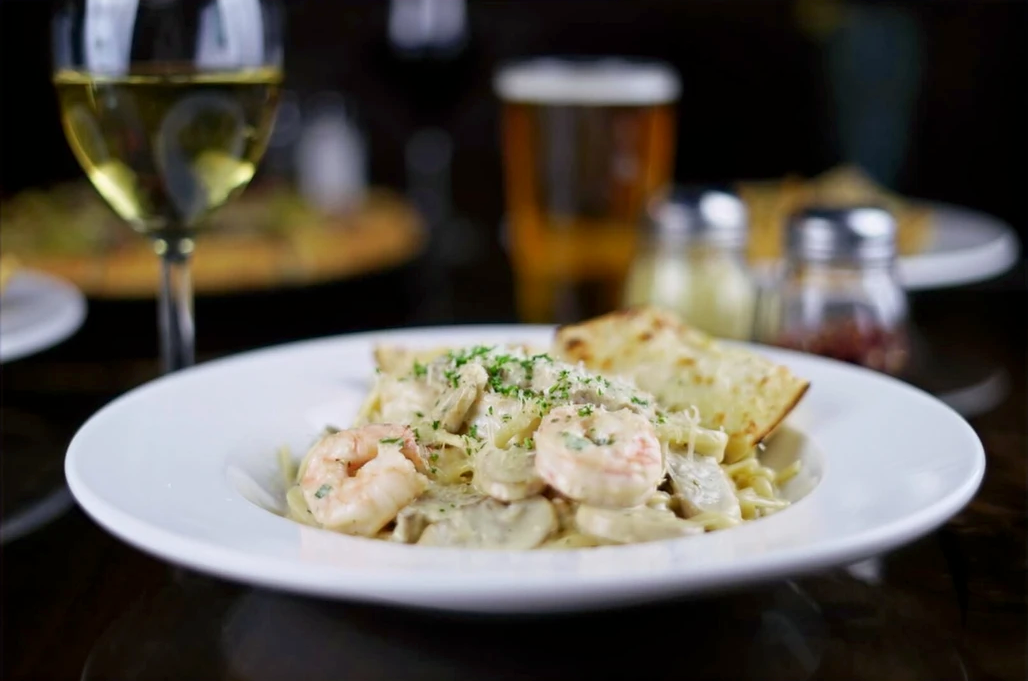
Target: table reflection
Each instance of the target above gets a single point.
(32, 488)
(831, 627)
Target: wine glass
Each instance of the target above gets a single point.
(168, 106)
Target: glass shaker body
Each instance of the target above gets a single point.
(847, 307)
(691, 261)
(708, 286)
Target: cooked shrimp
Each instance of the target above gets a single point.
(599, 457)
(356, 481)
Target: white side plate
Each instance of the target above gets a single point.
(966, 247)
(37, 311)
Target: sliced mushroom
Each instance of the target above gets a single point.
(494, 525)
(507, 474)
(432, 506)
(633, 525)
(702, 486)
(458, 399)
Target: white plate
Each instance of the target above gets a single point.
(966, 246)
(37, 311)
(185, 468)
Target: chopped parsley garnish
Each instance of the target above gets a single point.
(322, 491)
(420, 369)
(391, 440)
(471, 445)
(473, 430)
(639, 401)
(489, 411)
(420, 414)
(505, 418)
(528, 443)
(459, 359)
(585, 410)
(452, 376)
(435, 425)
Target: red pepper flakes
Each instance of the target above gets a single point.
(870, 345)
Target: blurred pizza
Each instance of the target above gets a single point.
(770, 202)
(8, 266)
(268, 237)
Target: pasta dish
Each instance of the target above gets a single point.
(630, 428)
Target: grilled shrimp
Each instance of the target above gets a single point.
(356, 481)
(598, 457)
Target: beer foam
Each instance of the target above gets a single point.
(609, 82)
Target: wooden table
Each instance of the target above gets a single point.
(79, 604)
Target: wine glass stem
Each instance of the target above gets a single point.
(175, 307)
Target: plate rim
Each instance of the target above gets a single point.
(53, 330)
(930, 269)
(274, 572)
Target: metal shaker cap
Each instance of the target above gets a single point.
(713, 216)
(855, 234)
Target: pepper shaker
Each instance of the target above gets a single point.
(691, 260)
(838, 294)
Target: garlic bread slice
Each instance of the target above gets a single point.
(740, 391)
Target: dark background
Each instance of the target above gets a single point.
(755, 101)
(765, 93)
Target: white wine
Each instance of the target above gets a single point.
(165, 145)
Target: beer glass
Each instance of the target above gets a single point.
(586, 144)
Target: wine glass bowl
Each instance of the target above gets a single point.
(168, 106)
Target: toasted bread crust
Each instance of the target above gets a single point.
(733, 388)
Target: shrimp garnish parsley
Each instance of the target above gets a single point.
(599, 457)
(356, 481)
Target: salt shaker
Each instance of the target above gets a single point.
(838, 294)
(691, 260)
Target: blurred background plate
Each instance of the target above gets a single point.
(965, 246)
(940, 245)
(270, 238)
(37, 311)
(960, 247)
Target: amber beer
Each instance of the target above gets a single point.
(586, 145)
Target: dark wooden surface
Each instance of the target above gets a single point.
(79, 604)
